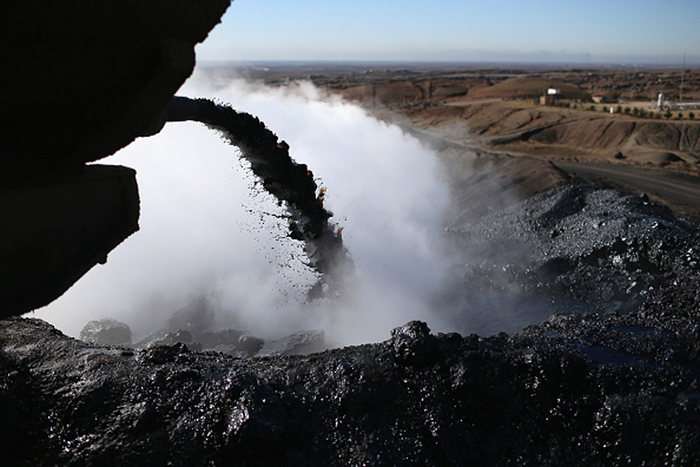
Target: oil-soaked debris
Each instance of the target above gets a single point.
(106, 331)
(596, 246)
(587, 388)
(577, 389)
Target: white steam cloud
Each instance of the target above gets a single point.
(208, 229)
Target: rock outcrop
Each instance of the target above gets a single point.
(83, 78)
(86, 77)
(58, 226)
(580, 390)
(598, 387)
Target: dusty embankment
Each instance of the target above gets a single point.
(528, 151)
(574, 147)
(499, 129)
(522, 128)
(613, 387)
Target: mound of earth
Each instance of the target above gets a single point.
(599, 247)
(605, 135)
(578, 388)
(390, 93)
(549, 133)
(526, 87)
(499, 180)
(653, 157)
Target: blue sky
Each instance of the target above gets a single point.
(458, 30)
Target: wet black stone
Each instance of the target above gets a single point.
(106, 332)
(412, 343)
(610, 387)
(574, 389)
(599, 246)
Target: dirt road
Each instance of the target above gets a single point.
(680, 192)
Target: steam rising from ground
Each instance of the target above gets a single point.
(208, 230)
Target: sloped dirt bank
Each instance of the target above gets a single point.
(560, 133)
(624, 136)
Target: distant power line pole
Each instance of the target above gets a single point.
(680, 98)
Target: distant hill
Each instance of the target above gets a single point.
(522, 87)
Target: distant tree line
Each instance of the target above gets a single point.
(635, 111)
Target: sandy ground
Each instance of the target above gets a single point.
(537, 148)
(500, 143)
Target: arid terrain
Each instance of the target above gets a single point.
(600, 125)
(607, 374)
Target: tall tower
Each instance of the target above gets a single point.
(680, 96)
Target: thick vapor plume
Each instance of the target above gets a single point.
(208, 229)
(291, 183)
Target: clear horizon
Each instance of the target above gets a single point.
(539, 31)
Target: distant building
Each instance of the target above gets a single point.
(550, 98)
(662, 103)
(602, 97)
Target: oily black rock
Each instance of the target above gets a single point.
(574, 389)
(599, 246)
(106, 331)
(590, 388)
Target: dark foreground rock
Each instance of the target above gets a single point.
(575, 389)
(89, 76)
(56, 228)
(84, 78)
(602, 386)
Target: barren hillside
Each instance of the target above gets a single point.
(491, 120)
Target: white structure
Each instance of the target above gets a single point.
(662, 104)
(553, 92)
